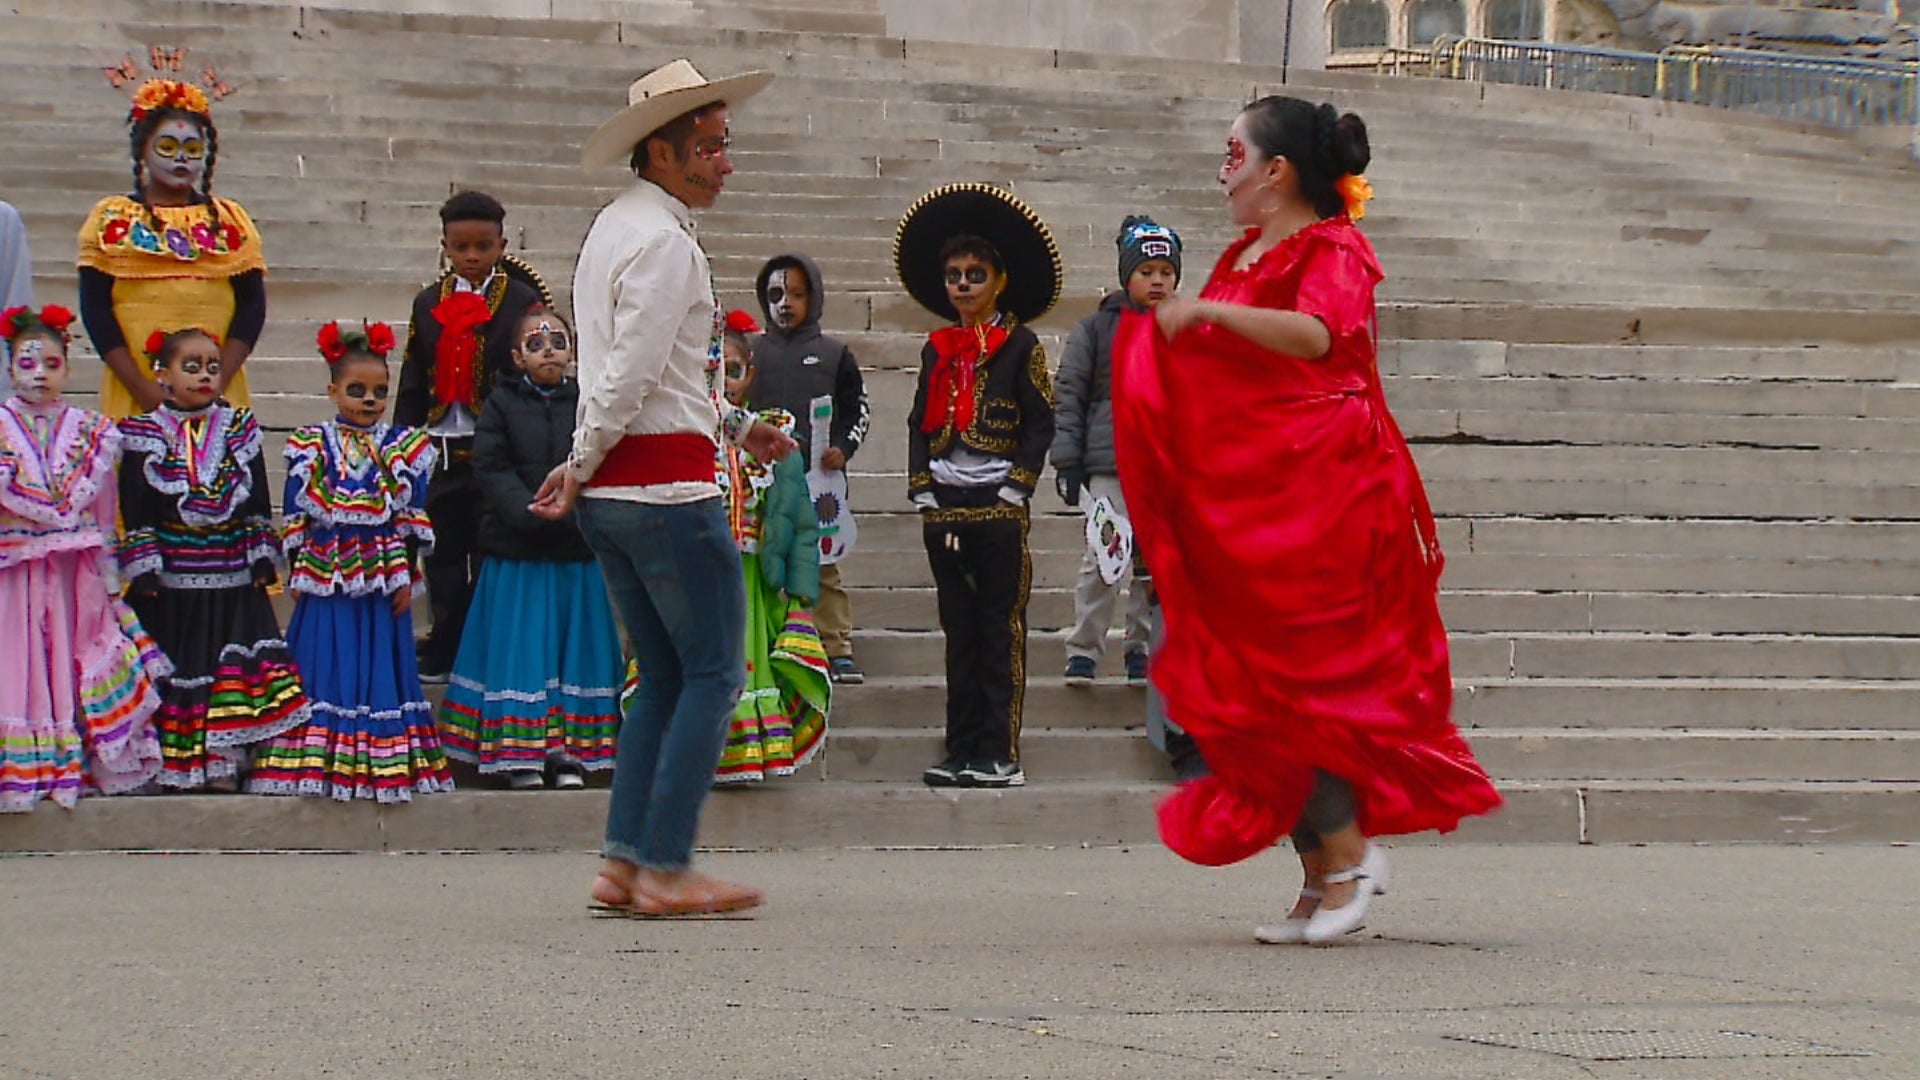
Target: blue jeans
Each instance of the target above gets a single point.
(674, 574)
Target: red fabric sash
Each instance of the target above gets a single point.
(961, 351)
(460, 317)
(643, 460)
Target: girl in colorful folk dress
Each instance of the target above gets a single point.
(780, 721)
(354, 531)
(76, 687)
(199, 556)
(538, 674)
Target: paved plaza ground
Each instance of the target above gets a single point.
(1748, 962)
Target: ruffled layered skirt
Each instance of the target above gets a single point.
(77, 691)
(780, 722)
(371, 734)
(234, 684)
(539, 671)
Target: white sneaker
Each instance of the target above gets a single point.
(1289, 931)
(568, 780)
(526, 781)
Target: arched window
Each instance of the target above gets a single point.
(1516, 20)
(1428, 20)
(1359, 24)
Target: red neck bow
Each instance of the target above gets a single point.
(962, 350)
(460, 316)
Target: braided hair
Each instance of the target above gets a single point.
(1323, 145)
(140, 131)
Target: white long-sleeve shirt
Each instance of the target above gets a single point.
(648, 326)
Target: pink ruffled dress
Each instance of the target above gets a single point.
(77, 693)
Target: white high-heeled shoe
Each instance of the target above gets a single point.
(1290, 931)
(1370, 878)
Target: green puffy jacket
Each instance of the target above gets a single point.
(790, 534)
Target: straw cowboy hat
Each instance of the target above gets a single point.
(672, 90)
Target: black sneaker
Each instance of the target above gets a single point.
(1137, 668)
(842, 669)
(995, 774)
(1081, 670)
(945, 774)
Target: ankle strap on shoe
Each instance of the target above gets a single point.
(1351, 873)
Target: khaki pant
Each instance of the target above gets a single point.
(1094, 599)
(833, 615)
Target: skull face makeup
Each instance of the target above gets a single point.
(38, 369)
(974, 287)
(545, 350)
(359, 389)
(176, 156)
(191, 375)
(789, 297)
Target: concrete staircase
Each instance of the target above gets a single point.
(1659, 366)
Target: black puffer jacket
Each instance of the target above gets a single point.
(522, 435)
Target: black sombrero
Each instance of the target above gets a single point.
(1035, 274)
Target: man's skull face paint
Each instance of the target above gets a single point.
(788, 298)
(39, 370)
(176, 156)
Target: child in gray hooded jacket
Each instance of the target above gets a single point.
(794, 363)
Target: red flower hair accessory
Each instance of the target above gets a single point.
(337, 341)
(17, 320)
(740, 322)
(380, 340)
(155, 342)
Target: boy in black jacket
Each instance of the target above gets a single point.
(459, 339)
(793, 364)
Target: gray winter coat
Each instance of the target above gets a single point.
(1083, 393)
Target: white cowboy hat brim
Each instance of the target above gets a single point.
(613, 142)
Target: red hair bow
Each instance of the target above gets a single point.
(740, 322)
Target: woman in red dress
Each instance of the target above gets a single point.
(1293, 549)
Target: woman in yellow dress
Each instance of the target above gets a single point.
(170, 254)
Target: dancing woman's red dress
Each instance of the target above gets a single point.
(1296, 562)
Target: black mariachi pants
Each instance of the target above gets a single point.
(453, 566)
(977, 548)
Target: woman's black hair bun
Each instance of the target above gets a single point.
(1349, 152)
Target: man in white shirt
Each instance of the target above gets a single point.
(643, 474)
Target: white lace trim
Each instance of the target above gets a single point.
(532, 697)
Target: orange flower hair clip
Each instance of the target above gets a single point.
(1357, 193)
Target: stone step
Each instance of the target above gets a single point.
(799, 814)
(1534, 755)
(1529, 655)
(1481, 703)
